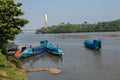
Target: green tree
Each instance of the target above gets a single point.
(10, 22)
(84, 27)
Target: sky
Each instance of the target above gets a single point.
(68, 11)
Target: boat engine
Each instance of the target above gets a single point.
(98, 43)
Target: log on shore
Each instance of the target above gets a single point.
(51, 70)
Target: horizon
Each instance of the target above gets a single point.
(69, 11)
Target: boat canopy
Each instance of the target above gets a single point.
(43, 42)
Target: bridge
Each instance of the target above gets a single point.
(29, 30)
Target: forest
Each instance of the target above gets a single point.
(84, 27)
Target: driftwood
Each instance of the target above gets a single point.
(51, 70)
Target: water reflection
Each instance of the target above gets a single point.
(54, 58)
(95, 58)
(42, 57)
(96, 52)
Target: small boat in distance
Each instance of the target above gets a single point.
(93, 44)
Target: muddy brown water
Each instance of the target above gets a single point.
(78, 62)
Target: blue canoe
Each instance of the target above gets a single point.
(93, 44)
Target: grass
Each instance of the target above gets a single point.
(8, 69)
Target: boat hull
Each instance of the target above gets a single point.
(93, 44)
(44, 46)
(32, 51)
(56, 51)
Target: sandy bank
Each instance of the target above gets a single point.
(109, 34)
(51, 70)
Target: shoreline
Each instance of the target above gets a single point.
(76, 36)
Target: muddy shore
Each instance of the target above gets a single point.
(64, 36)
(51, 70)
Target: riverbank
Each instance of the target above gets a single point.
(9, 71)
(111, 34)
(12, 69)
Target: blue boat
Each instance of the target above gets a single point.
(44, 46)
(56, 51)
(32, 51)
(51, 49)
(93, 44)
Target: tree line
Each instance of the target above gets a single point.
(84, 27)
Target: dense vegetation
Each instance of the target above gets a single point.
(10, 24)
(85, 27)
(8, 70)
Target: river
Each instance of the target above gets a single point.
(78, 62)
